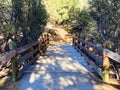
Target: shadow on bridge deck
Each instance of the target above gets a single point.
(61, 69)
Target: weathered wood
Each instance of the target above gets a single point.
(97, 60)
(7, 56)
(42, 45)
(104, 51)
(23, 48)
(98, 49)
(105, 68)
(36, 50)
(75, 41)
(30, 51)
(21, 72)
(112, 55)
(96, 69)
(27, 47)
(24, 58)
(14, 68)
(95, 52)
(35, 43)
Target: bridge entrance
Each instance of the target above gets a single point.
(61, 68)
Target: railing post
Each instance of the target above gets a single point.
(91, 41)
(45, 43)
(48, 38)
(41, 45)
(45, 40)
(32, 50)
(14, 68)
(75, 41)
(106, 68)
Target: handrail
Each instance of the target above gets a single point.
(7, 56)
(24, 56)
(104, 51)
(99, 55)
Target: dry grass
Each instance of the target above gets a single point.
(59, 35)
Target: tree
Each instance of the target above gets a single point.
(22, 19)
(5, 18)
(107, 15)
(58, 10)
(37, 16)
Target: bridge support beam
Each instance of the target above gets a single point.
(106, 68)
(14, 69)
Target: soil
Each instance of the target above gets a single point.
(58, 35)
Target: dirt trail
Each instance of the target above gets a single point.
(59, 35)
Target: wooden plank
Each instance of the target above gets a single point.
(98, 49)
(22, 71)
(36, 50)
(97, 60)
(14, 69)
(35, 43)
(26, 47)
(112, 55)
(103, 51)
(43, 45)
(23, 48)
(106, 68)
(97, 69)
(7, 56)
(24, 58)
(12, 53)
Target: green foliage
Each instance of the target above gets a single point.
(5, 17)
(106, 13)
(81, 17)
(37, 16)
(59, 9)
(22, 18)
(73, 14)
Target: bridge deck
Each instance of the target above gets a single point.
(61, 69)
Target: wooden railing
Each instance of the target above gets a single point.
(100, 58)
(23, 57)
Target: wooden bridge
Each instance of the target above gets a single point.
(100, 58)
(21, 58)
(61, 67)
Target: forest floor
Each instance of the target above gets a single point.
(58, 36)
